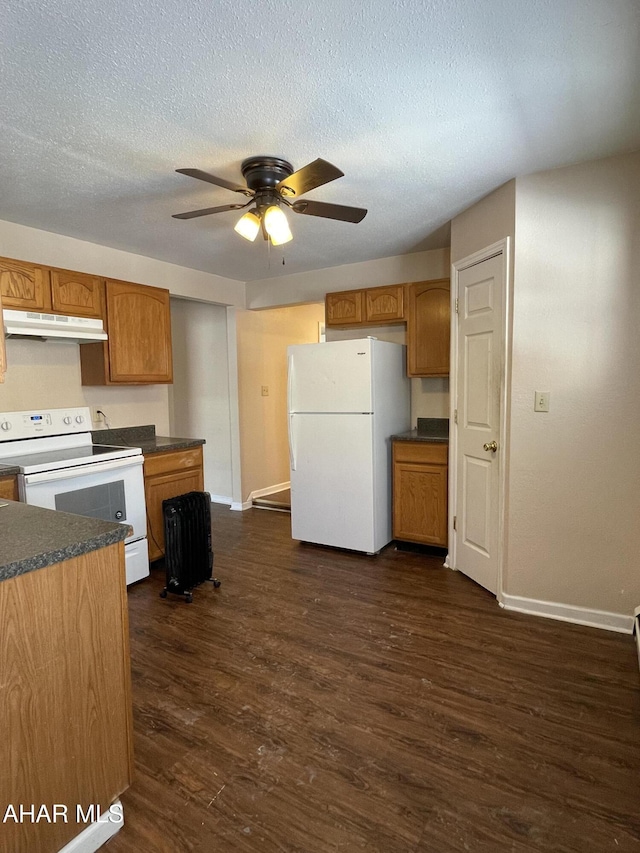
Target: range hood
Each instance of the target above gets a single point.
(53, 327)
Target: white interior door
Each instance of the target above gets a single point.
(478, 458)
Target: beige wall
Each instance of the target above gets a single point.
(312, 286)
(574, 485)
(488, 221)
(199, 399)
(263, 337)
(44, 374)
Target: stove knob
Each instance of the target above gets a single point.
(6, 426)
(66, 420)
(79, 419)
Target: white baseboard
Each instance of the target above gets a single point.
(221, 499)
(270, 490)
(568, 613)
(259, 493)
(96, 834)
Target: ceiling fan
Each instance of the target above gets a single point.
(271, 183)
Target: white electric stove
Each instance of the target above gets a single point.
(61, 469)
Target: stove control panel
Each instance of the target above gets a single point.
(15, 425)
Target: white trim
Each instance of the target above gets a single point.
(501, 247)
(636, 630)
(95, 835)
(569, 613)
(238, 506)
(258, 493)
(221, 499)
(270, 490)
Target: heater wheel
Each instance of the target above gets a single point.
(163, 594)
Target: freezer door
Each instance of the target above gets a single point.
(332, 488)
(330, 377)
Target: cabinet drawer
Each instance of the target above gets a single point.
(172, 460)
(420, 451)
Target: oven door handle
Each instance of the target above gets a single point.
(90, 468)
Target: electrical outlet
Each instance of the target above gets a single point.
(541, 401)
(265, 390)
(95, 417)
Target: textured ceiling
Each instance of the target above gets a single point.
(426, 105)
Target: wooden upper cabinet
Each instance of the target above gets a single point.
(384, 304)
(24, 286)
(344, 308)
(3, 351)
(76, 293)
(428, 328)
(138, 351)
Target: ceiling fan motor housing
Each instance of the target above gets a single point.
(264, 172)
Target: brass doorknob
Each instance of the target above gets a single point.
(491, 445)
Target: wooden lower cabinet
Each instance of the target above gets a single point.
(65, 696)
(9, 488)
(420, 492)
(167, 475)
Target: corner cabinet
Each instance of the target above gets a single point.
(167, 475)
(428, 328)
(420, 492)
(138, 352)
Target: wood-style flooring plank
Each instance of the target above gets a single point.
(327, 701)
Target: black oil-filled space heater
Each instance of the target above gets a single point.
(188, 551)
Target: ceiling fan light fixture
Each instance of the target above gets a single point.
(248, 226)
(276, 225)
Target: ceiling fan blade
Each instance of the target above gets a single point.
(330, 211)
(308, 178)
(207, 210)
(214, 179)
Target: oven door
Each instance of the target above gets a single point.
(111, 490)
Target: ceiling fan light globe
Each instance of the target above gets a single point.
(248, 226)
(276, 225)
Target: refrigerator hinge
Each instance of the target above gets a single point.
(455, 522)
(455, 416)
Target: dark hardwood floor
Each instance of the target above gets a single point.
(326, 701)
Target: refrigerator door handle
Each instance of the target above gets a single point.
(292, 455)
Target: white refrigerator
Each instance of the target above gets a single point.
(345, 400)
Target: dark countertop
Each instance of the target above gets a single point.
(8, 470)
(428, 429)
(33, 538)
(144, 437)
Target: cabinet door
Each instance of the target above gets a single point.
(24, 286)
(384, 304)
(420, 503)
(139, 328)
(3, 351)
(76, 294)
(8, 488)
(428, 328)
(344, 308)
(158, 489)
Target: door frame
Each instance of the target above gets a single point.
(501, 247)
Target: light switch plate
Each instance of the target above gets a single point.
(541, 401)
(265, 390)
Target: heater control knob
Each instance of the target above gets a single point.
(67, 419)
(79, 419)
(6, 425)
